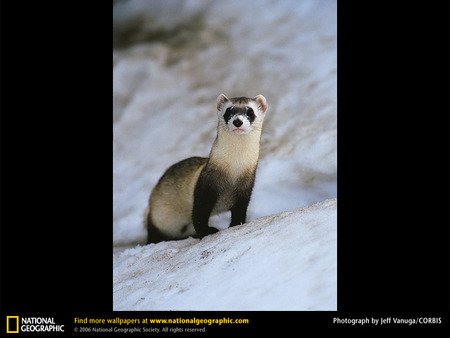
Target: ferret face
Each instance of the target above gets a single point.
(241, 115)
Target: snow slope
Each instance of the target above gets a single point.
(282, 262)
(170, 62)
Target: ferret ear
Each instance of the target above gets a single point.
(261, 102)
(221, 99)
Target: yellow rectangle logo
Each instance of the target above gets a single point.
(11, 325)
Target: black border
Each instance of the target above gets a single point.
(393, 148)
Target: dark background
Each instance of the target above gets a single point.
(56, 165)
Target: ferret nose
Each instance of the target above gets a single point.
(237, 123)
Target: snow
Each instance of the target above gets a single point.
(282, 262)
(168, 70)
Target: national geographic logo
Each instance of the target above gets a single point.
(14, 324)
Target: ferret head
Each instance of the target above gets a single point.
(241, 115)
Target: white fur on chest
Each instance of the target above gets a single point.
(236, 154)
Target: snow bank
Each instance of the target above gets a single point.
(282, 262)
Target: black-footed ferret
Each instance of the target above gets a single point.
(193, 189)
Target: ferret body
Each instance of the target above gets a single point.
(192, 190)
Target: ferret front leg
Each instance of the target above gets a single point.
(205, 199)
(239, 211)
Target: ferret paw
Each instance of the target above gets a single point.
(207, 231)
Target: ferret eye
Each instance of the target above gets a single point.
(227, 115)
(250, 112)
